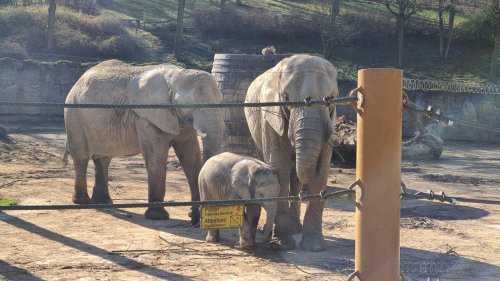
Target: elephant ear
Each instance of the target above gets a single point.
(271, 92)
(240, 179)
(151, 87)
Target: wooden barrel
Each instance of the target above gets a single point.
(234, 73)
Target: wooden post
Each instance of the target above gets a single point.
(378, 169)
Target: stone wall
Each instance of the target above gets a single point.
(36, 81)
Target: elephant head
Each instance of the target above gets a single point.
(254, 179)
(169, 84)
(295, 79)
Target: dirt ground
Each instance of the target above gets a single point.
(438, 240)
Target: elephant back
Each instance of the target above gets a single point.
(234, 73)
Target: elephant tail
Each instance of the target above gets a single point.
(65, 156)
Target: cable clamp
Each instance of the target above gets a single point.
(307, 101)
(353, 275)
(358, 106)
(359, 190)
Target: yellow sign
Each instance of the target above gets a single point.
(217, 217)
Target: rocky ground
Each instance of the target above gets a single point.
(450, 242)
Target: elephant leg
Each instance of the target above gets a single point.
(312, 238)
(252, 214)
(213, 236)
(80, 195)
(285, 240)
(154, 146)
(295, 188)
(100, 193)
(249, 228)
(189, 156)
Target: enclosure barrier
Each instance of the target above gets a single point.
(378, 101)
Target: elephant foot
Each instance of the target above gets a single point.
(286, 243)
(312, 242)
(194, 214)
(247, 245)
(81, 199)
(101, 200)
(156, 213)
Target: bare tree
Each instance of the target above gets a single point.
(402, 10)
(446, 34)
(328, 25)
(51, 24)
(179, 29)
(494, 14)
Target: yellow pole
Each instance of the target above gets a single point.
(378, 168)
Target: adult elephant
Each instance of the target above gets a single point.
(294, 141)
(101, 134)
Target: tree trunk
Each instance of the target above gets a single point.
(179, 29)
(401, 40)
(51, 24)
(238, 2)
(450, 32)
(222, 3)
(441, 29)
(496, 49)
(495, 55)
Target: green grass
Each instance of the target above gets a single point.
(5, 201)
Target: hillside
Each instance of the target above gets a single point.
(365, 35)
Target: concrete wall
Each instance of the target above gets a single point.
(36, 81)
(50, 82)
(477, 108)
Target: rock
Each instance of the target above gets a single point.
(426, 144)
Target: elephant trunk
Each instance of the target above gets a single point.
(210, 123)
(271, 210)
(308, 135)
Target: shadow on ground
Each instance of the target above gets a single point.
(126, 262)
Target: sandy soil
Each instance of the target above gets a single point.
(450, 242)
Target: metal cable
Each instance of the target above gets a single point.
(437, 115)
(305, 198)
(307, 102)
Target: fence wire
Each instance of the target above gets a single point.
(343, 194)
(347, 194)
(437, 115)
(327, 101)
(430, 85)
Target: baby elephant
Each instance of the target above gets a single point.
(232, 176)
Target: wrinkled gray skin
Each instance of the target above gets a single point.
(101, 134)
(232, 176)
(294, 141)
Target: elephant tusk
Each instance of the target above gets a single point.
(201, 134)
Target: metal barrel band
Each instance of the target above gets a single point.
(354, 275)
(358, 105)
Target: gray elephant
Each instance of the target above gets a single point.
(294, 141)
(232, 176)
(101, 134)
